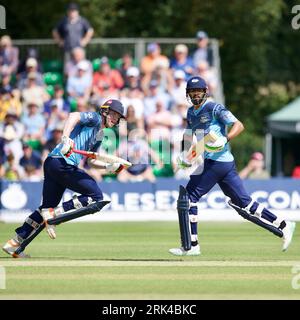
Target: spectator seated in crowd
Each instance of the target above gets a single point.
(11, 169)
(208, 75)
(58, 99)
(177, 92)
(9, 103)
(124, 64)
(152, 97)
(150, 62)
(138, 152)
(12, 131)
(132, 122)
(79, 86)
(53, 140)
(31, 162)
(203, 52)
(107, 81)
(181, 60)
(35, 124)
(9, 55)
(31, 53)
(31, 68)
(33, 92)
(255, 168)
(78, 55)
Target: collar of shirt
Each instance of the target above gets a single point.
(196, 111)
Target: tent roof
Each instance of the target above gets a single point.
(285, 122)
(291, 112)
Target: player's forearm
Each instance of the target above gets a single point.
(235, 130)
(57, 37)
(71, 122)
(86, 39)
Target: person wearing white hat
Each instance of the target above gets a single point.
(182, 61)
(31, 67)
(80, 85)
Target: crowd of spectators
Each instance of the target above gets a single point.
(153, 93)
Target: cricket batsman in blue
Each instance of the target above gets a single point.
(83, 131)
(218, 168)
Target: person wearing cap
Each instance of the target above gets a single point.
(182, 61)
(177, 92)
(204, 51)
(33, 91)
(9, 55)
(78, 55)
(58, 100)
(83, 131)
(80, 85)
(107, 80)
(255, 169)
(31, 68)
(216, 125)
(73, 30)
(132, 79)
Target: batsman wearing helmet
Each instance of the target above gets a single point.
(82, 130)
(218, 168)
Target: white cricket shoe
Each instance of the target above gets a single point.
(194, 251)
(49, 214)
(11, 247)
(288, 232)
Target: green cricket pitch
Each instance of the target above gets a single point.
(130, 260)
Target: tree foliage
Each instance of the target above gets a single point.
(259, 49)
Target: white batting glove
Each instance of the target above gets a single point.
(216, 146)
(67, 146)
(182, 161)
(113, 167)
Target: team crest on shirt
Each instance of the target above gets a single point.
(204, 119)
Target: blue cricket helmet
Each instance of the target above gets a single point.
(196, 84)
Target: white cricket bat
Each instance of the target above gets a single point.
(107, 158)
(198, 148)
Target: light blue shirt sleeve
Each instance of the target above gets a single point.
(223, 115)
(89, 119)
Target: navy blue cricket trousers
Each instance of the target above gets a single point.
(223, 173)
(59, 176)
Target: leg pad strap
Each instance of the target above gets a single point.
(253, 218)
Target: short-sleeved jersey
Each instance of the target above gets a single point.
(86, 136)
(212, 117)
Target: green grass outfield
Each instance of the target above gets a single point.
(130, 260)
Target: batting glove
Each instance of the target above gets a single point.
(113, 167)
(216, 146)
(67, 146)
(182, 161)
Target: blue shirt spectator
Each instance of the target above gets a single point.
(182, 61)
(31, 157)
